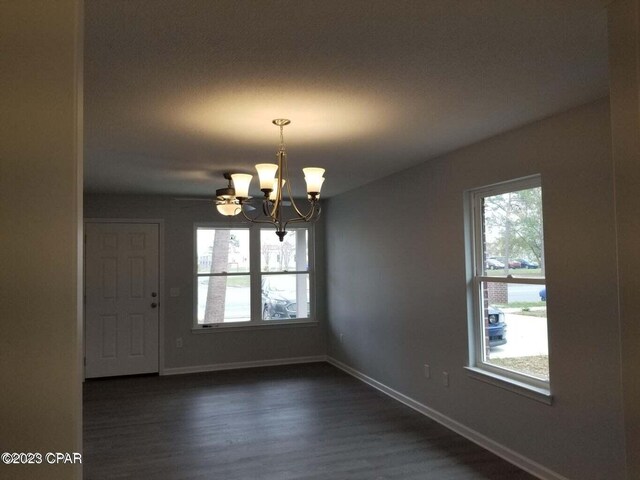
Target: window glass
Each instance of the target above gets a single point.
(224, 298)
(515, 328)
(222, 250)
(285, 296)
(513, 240)
(290, 255)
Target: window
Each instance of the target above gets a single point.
(223, 275)
(508, 320)
(246, 276)
(284, 275)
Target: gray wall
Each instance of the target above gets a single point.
(396, 290)
(40, 215)
(212, 347)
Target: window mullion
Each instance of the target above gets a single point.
(287, 272)
(256, 276)
(311, 252)
(224, 274)
(478, 323)
(520, 280)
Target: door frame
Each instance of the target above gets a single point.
(160, 223)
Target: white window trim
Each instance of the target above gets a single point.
(520, 383)
(255, 275)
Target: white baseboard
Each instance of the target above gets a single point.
(236, 365)
(500, 450)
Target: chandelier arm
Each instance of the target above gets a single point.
(273, 211)
(255, 219)
(314, 212)
(293, 202)
(315, 208)
(302, 217)
(265, 208)
(296, 220)
(295, 207)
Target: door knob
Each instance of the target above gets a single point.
(154, 294)
(154, 305)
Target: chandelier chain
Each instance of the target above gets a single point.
(282, 137)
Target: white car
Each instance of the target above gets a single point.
(493, 264)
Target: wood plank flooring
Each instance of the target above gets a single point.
(309, 421)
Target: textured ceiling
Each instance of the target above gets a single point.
(178, 92)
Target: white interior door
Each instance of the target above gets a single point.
(121, 299)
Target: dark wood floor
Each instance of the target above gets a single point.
(295, 422)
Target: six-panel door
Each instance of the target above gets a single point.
(121, 299)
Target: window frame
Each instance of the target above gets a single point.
(255, 279)
(477, 366)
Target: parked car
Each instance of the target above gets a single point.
(493, 264)
(527, 264)
(279, 300)
(497, 328)
(543, 294)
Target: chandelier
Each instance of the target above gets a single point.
(235, 199)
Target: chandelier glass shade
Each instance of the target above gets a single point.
(273, 178)
(226, 202)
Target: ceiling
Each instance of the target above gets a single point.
(179, 92)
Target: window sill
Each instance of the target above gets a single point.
(535, 393)
(254, 326)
